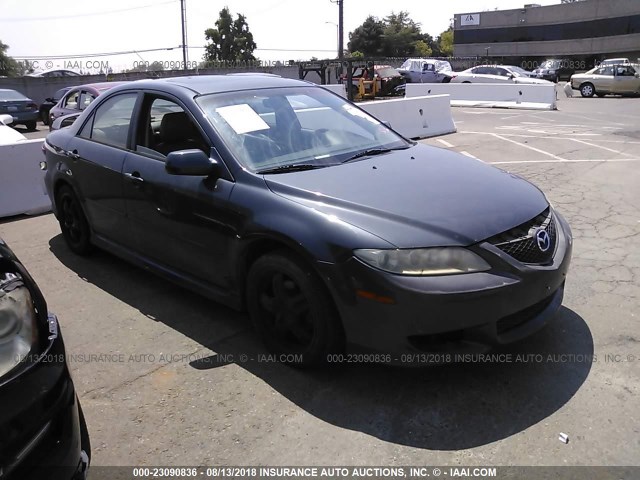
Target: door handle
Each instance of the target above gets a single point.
(134, 177)
(74, 154)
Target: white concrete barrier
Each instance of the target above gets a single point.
(337, 88)
(21, 180)
(417, 117)
(497, 95)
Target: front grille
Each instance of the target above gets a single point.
(521, 243)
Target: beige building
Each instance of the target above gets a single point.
(589, 29)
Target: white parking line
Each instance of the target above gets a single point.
(586, 160)
(527, 146)
(547, 137)
(595, 145)
(445, 143)
(467, 154)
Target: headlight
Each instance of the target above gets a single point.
(18, 328)
(424, 261)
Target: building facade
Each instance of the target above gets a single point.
(589, 30)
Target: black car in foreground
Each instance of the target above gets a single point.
(332, 230)
(42, 429)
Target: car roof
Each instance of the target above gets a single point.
(100, 86)
(205, 84)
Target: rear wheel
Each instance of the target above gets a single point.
(292, 311)
(31, 125)
(44, 116)
(587, 90)
(73, 223)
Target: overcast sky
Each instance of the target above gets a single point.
(283, 29)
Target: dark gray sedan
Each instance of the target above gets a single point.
(23, 110)
(333, 231)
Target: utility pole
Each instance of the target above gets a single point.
(183, 12)
(340, 29)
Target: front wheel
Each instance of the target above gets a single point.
(292, 311)
(73, 223)
(587, 90)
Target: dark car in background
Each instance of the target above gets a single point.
(333, 231)
(555, 70)
(23, 110)
(78, 98)
(43, 433)
(49, 103)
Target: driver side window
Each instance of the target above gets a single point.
(166, 127)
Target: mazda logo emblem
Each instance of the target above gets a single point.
(543, 240)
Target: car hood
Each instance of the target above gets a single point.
(423, 196)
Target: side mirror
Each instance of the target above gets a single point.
(192, 162)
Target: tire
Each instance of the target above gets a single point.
(587, 90)
(556, 79)
(32, 125)
(292, 311)
(44, 116)
(73, 222)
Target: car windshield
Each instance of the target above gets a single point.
(267, 129)
(11, 95)
(519, 70)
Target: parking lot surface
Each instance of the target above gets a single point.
(166, 377)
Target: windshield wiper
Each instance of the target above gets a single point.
(373, 151)
(294, 167)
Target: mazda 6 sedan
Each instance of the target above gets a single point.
(279, 197)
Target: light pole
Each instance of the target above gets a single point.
(337, 35)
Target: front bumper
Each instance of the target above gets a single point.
(461, 313)
(42, 434)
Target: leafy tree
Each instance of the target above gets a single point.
(445, 42)
(231, 40)
(8, 66)
(367, 38)
(400, 35)
(422, 49)
(395, 36)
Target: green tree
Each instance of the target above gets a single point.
(231, 40)
(8, 66)
(367, 38)
(445, 42)
(400, 35)
(422, 49)
(395, 36)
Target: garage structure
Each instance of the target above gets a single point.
(588, 30)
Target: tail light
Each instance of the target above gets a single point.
(32, 106)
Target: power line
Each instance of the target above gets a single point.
(79, 15)
(89, 55)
